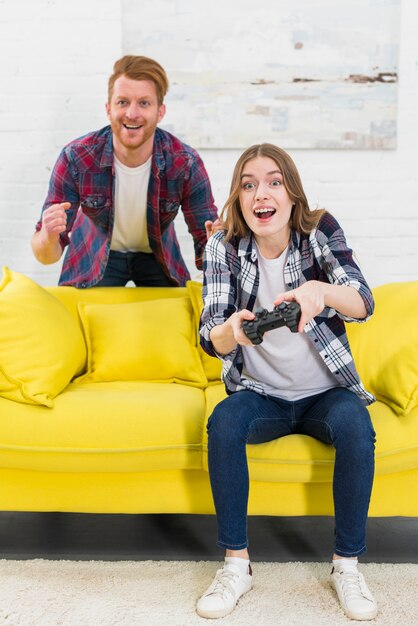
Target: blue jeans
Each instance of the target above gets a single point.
(140, 267)
(336, 416)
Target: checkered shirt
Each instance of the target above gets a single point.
(84, 176)
(231, 280)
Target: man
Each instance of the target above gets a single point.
(114, 193)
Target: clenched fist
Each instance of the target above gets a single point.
(54, 220)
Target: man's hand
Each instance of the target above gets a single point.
(54, 221)
(46, 244)
(212, 227)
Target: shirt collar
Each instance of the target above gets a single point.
(157, 155)
(294, 240)
(247, 247)
(158, 159)
(107, 154)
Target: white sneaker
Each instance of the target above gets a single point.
(222, 596)
(354, 595)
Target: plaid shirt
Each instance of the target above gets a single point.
(231, 280)
(84, 176)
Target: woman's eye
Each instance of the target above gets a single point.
(248, 186)
(276, 183)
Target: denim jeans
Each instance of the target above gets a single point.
(140, 267)
(336, 416)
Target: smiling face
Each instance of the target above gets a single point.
(265, 204)
(134, 112)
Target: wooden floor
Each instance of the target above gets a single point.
(191, 537)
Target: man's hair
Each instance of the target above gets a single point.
(140, 68)
(302, 219)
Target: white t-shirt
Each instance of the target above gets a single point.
(286, 362)
(131, 191)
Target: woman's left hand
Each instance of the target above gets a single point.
(311, 298)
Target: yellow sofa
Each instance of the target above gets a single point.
(105, 394)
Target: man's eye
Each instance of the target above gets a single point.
(121, 102)
(145, 103)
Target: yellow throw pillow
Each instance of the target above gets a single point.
(211, 365)
(154, 340)
(42, 347)
(385, 349)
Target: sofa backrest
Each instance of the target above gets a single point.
(72, 297)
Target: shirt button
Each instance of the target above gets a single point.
(83, 285)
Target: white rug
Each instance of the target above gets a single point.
(164, 593)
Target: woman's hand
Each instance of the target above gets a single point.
(235, 322)
(228, 335)
(310, 296)
(314, 295)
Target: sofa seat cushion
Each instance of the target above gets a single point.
(299, 458)
(106, 427)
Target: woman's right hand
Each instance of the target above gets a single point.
(228, 335)
(235, 322)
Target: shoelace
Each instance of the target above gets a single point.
(223, 583)
(353, 586)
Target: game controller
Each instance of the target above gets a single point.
(284, 314)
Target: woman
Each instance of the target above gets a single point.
(274, 249)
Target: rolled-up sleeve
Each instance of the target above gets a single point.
(219, 289)
(198, 206)
(338, 262)
(62, 188)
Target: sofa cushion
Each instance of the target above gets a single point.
(211, 365)
(300, 458)
(385, 348)
(154, 341)
(106, 427)
(42, 346)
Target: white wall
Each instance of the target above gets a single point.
(55, 58)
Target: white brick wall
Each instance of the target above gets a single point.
(55, 57)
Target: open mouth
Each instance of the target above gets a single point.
(132, 126)
(264, 213)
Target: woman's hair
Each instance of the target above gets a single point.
(302, 219)
(140, 68)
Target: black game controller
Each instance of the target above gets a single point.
(284, 314)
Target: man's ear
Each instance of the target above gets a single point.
(161, 112)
